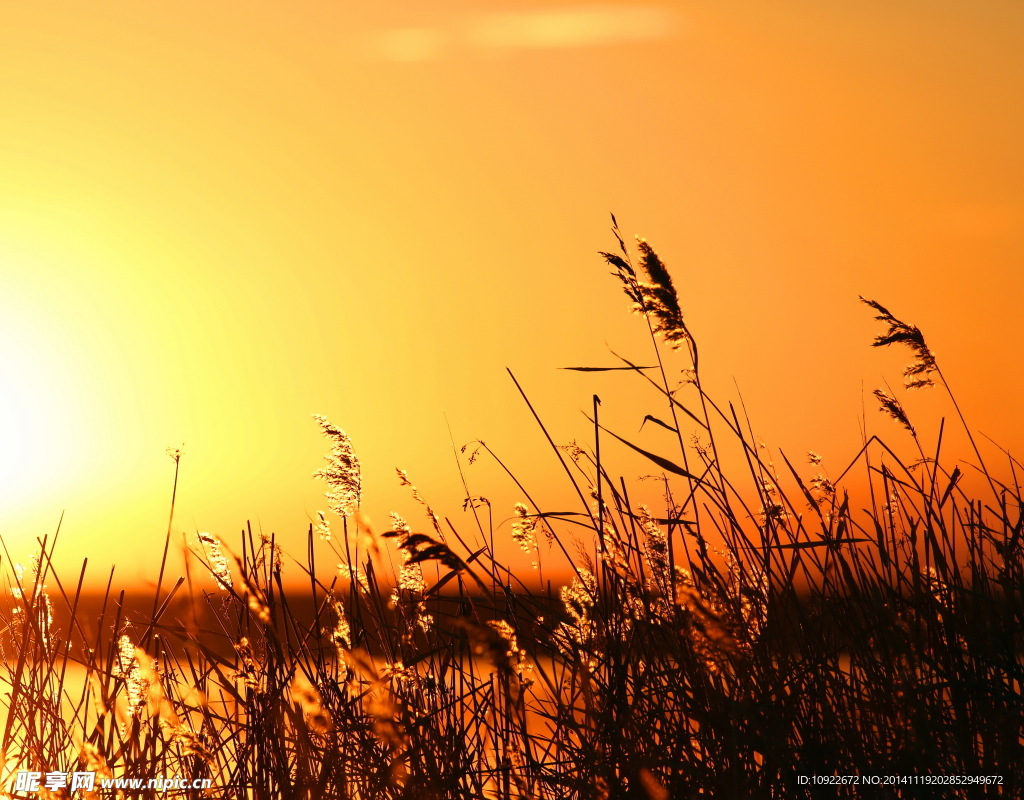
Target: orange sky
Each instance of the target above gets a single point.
(217, 219)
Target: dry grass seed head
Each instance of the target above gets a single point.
(891, 406)
(516, 655)
(322, 526)
(657, 299)
(269, 552)
(918, 374)
(578, 599)
(403, 479)
(524, 530)
(37, 601)
(342, 474)
(247, 670)
(410, 574)
(356, 574)
(342, 633)
(219, 569)
(130, 670)
(660, 299)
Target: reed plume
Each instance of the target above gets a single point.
(918, 374)
(342, 474)
(891, 406)
(655, 298)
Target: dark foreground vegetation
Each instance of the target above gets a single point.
(760, 627)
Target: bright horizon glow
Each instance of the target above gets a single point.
(31, 426)
(219, 220)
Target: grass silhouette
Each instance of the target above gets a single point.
(762, 626)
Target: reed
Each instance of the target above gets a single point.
(764, 624)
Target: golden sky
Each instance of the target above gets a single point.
(219, 218)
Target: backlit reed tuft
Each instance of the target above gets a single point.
(894, 409)
(220, 570)
(342, 474)
(918, 374)
(655, 298)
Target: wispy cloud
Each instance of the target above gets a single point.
(556, 28)
(586, 26)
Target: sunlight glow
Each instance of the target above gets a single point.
(35, 429)
(219, 219)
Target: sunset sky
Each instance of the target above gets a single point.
(220, 218)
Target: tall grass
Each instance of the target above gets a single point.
(762, 625)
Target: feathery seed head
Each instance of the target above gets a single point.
(657, 299)
(820, 483)
(399, 525)
(130, 669)
(351, 573)
(918, 374)
(219, 569)
(341, 474)
(578, 599)
(410, 576)
(247, 672)
(524, 530)
(342, 633)
(891, 406)
(323, 526)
